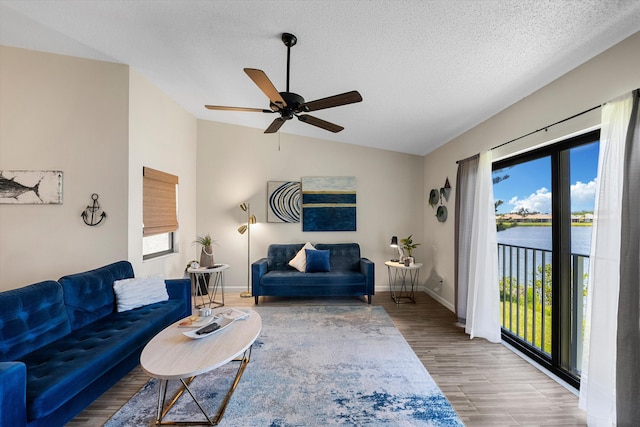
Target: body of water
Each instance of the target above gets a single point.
(540, 238)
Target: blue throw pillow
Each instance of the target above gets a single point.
(317, 261)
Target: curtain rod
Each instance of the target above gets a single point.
(470, 157)
(546, 127)
(541, 129)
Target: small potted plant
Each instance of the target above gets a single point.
(409, 246)
(206, 255)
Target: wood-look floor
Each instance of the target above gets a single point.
(486, 383)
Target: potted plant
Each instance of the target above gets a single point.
(409, 246)
(206, 254)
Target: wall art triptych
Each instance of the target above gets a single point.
(323, 203)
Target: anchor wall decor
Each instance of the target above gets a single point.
(90, 214)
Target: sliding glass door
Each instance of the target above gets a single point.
(544, 211)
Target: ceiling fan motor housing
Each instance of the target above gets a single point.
(293, 101)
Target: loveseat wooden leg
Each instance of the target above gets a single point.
(256, 299)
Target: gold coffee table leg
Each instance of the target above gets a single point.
(244, 360)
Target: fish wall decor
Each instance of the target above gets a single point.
(19, 187)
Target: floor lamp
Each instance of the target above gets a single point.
(251, 219)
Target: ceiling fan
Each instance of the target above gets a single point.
(289, 104)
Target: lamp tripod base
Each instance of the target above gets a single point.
(245, 294)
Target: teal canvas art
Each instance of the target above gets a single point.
(329, 203)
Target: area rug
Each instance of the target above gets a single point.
(314, 366)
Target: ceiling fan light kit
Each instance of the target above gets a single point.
(289, 104)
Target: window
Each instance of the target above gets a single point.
(544, 209)
(157, 245)
(159, 212)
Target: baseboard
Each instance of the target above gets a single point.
(431, 293)
(441, 300)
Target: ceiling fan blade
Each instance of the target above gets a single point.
(331, 101)
(223, 108)
(262, 81)
(275, 125)
(331, 127)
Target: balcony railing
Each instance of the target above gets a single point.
(525, 276)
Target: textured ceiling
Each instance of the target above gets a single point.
(427, 70)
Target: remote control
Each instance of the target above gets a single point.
(208, 329)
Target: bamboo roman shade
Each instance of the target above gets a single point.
(158, 202)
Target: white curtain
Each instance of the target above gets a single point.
(483, 299)
(466, 178)
(598, 377)
(477, 291)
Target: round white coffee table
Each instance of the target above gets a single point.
(170, 355)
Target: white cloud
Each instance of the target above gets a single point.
(582, 198)
(540, 201)
(583, 195)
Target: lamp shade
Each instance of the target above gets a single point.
(394, 242)
(252, 219)
(242, 229)
(244, 206)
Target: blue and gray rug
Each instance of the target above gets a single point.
(315, 366)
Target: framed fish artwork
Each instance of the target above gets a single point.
(19, 187)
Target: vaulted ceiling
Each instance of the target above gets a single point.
(428, 70)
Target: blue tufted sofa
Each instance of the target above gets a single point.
(62, 343)
(349, 275)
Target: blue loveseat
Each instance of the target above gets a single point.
(349, 275)
(63, 343)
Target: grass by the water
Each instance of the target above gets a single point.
(548, 224)
(518, 311)
(506, 225)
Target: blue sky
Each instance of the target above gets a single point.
(529, 184)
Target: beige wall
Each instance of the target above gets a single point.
(99, 123)
(604, 77)
(68, 114)
(235, 163)
(163, 136)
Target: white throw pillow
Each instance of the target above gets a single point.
(139, 291)
(299, 262)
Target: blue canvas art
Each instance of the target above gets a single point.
(329, 203)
